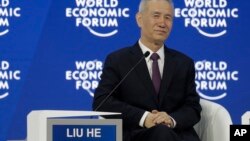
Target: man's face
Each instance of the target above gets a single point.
(155, 21)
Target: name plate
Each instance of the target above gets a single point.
(84, 130)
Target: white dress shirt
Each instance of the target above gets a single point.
(149, 62)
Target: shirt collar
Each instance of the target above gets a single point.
(144, 49)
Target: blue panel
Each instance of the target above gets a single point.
(84, 132)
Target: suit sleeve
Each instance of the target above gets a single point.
(111, 76)
(188, 114)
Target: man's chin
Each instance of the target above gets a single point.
(160, 37)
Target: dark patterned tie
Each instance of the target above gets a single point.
(156, 76)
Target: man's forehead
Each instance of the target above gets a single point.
(161, 11)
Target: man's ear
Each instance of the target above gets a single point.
(139, 19)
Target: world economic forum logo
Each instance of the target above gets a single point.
(212, 78)
(6, 13)
(86, 75)
(209, 17)
(7, 75)
(100, 17)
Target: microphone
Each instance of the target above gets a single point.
(145, 55)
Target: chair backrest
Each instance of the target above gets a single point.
(215, 122)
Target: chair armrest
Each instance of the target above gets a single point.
(215, 122)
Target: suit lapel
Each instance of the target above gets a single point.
(142, 71)
(168, 70)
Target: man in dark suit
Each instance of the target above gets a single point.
(158, 99)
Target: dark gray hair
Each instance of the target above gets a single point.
(144, 2)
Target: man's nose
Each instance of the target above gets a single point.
(162, 22)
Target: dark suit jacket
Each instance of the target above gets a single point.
(136, 94)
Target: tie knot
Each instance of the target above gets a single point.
(154, 57)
